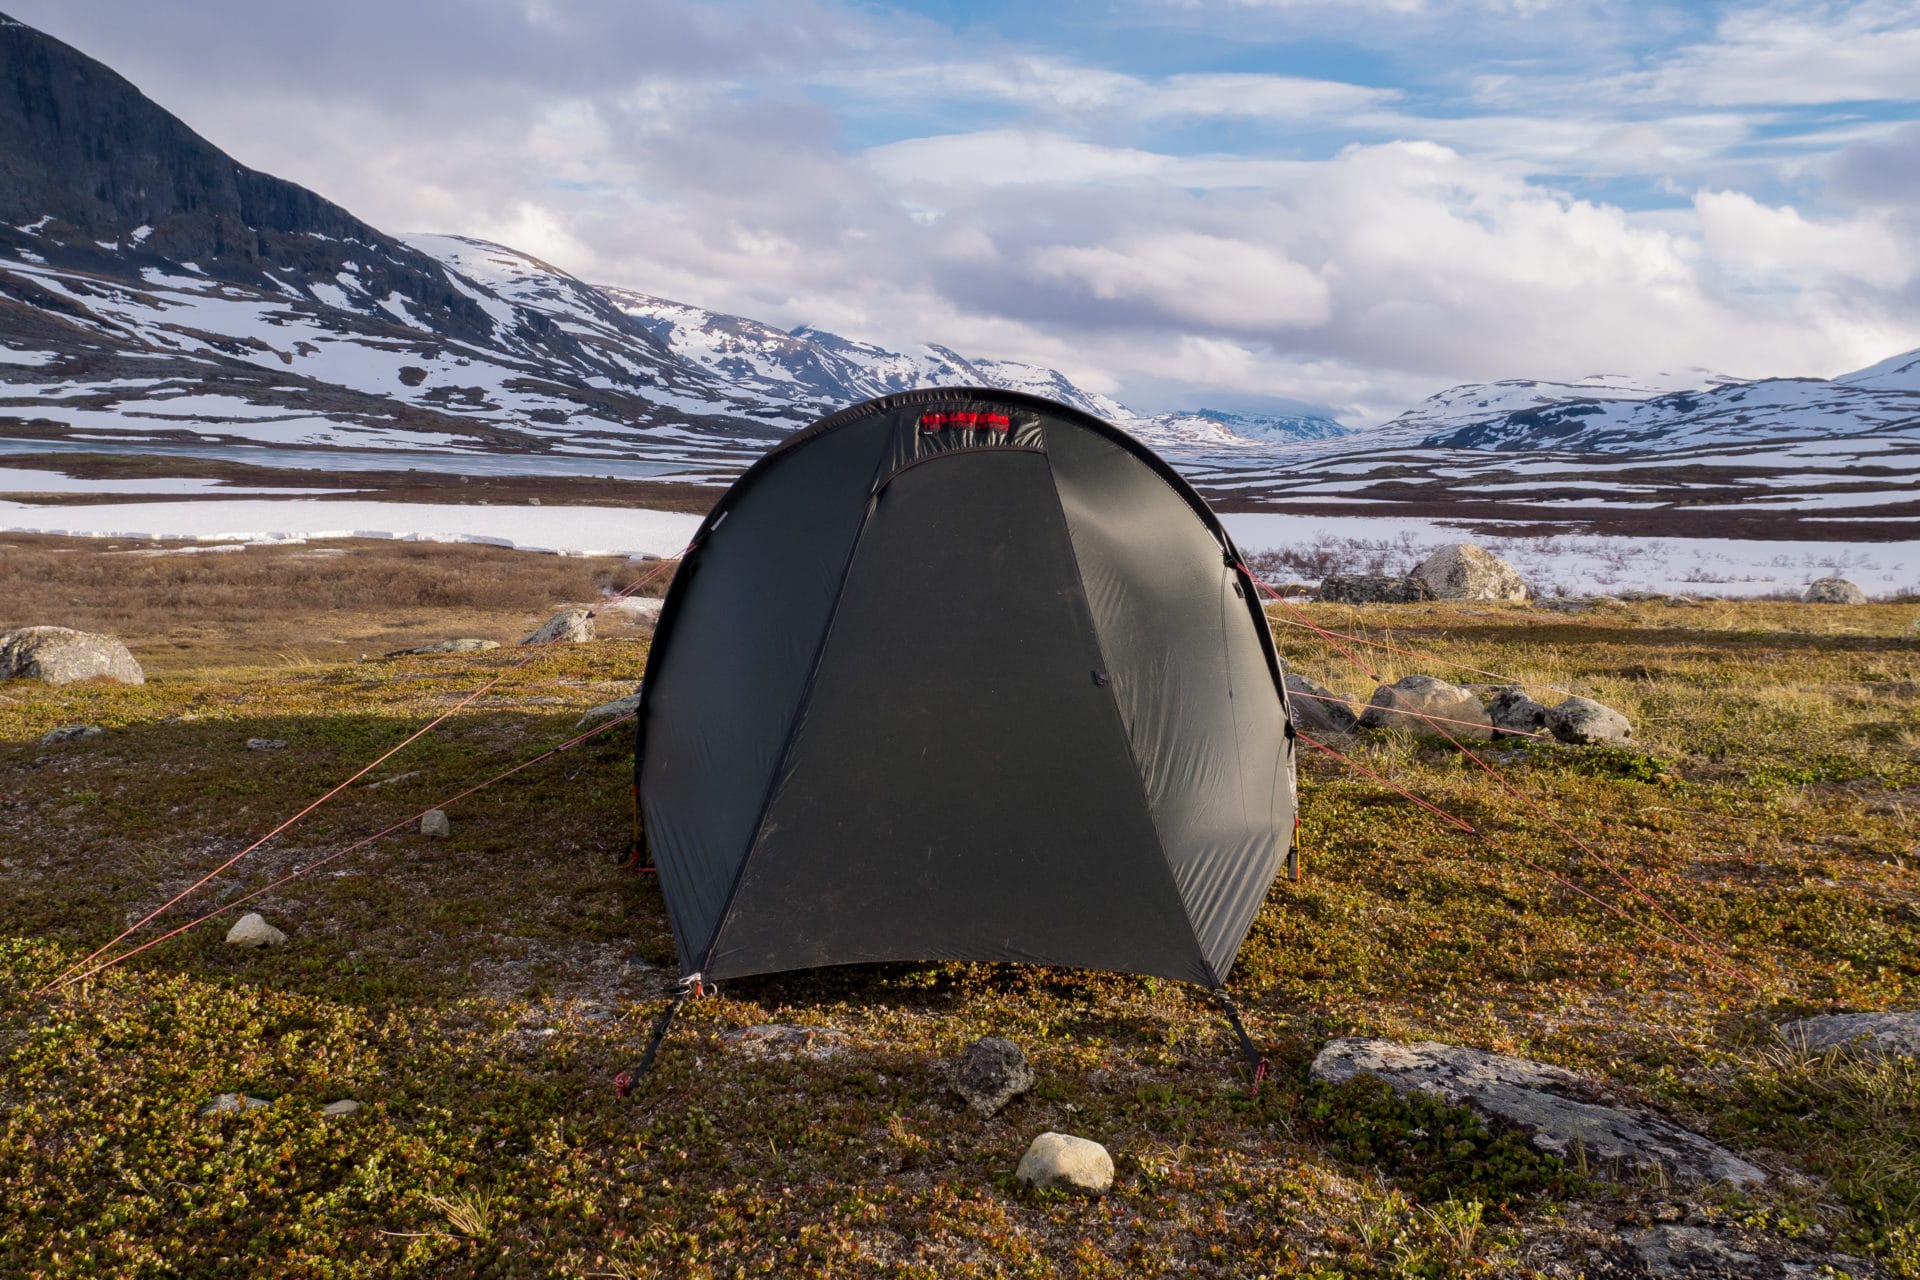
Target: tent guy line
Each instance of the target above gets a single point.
(410, 739)
(384, 832)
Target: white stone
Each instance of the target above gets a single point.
(252, 930)
(61, 655)
(1835, 591)
(434, 824)
(570, 626)
(1584, 722)
(1466, 572)
(1062, 1160)
(227, 1103)
(344, 1107)
(1424, 705)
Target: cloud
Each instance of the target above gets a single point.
(1796, 53)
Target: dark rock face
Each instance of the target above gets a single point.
(1372, 588)
(1514, 713)
(1318, 711)
(990, 1073)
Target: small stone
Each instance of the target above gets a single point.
(569, 626)
(252, 930)
(779, 1040)
(1062, 1160)
(266, 744)
(447, 646)
(1514, 713)
(1835, 591)
(70, 733)
(1466, 572)
(1318, 711)
(1584, 722)
(990, 1073)
(344, 1107)
(228, 1103)
(1424, 705)
(1872, 1034)
(435, 825)
(618, 707)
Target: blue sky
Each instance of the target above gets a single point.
(1232, 203)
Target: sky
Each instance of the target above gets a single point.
(1235, 204)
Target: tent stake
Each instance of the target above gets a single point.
(624, 1082)
(1260, 1066)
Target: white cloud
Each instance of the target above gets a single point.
(1804, 53)
(1217, 281)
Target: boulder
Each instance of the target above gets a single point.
(229, 1103)
(1463, 571)
(1062, 1160)
(60, 655)
(1402, 704)
(569, 626)
(252, 931)
(618, 707)
(70, 733)
(1318, 711)
(1835, 591)
(990, 1073)
(448, 646)
(1558, 1110)
(266, 744)
(1877, 1034)
(1514, 713)
(434, 824)
(1372, 588)
(1679, 1251)
(1584, 722)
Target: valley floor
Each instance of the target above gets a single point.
(478, 994)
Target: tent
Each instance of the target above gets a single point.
(963, 675)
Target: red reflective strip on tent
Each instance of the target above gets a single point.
(972, 421)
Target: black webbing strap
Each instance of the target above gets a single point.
(624, 1082)
(1255, 1063)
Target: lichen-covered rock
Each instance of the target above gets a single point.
(1584, 722)
(1463, 571)
(1835, 591)
(448, 646)
(70, 733)
(252, 931)
(344, 1107)
(1318, 711)
(435, 825)
(990, 1073)
(778, 1040)
(1514, 713)
(1422, 704)
(569, 626)
(1062, 1160)
(618, 707)
(61, 655)
(1892, 1034)
(1372, 588)
(266, 744)
(1559, 1111)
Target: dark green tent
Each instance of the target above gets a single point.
(964, 675)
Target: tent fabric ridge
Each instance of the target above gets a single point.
(1126, 733)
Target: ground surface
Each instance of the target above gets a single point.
(479, 994)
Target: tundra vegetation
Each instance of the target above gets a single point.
(477, 994)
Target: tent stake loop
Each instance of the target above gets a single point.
(623, 1084)
(1260, 1067)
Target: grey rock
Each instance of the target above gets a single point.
(779, 1040)
(618, 707)
(1463, 571)
(229, 1103)
(1316, 710)
(990, 1073)
(1557, 1109)
(639, 608)
(1514, 713)
(1062, 1160)
(1678, 1251)
(1565, 604)
(1404, 703)
(569, 626)
(1372, 588)
(1889, 1034)
(1584, 722)
(251, 930)
(70, 733)
(435, 825)
(344, 1107)
(266, 744)
(448, 646)
(61, 655)
(1835, 591)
